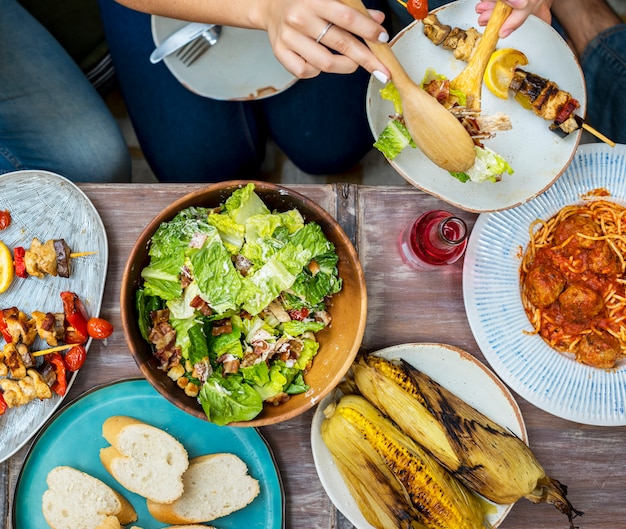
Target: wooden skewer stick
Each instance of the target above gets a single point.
(598, 135)
(53, 349)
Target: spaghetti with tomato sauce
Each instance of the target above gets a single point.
(573, 284)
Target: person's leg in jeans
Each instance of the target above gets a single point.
(51, 118)
(598, 36)
(184, 137)
(321, 123)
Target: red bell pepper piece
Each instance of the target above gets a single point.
(3, 404)
(60, 385)
(418, 9)
(4, 329)
(18, 260)
(76, 317)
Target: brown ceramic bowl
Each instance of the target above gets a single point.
(339, 342)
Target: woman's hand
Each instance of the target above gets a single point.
(521, 10)
(304, 44)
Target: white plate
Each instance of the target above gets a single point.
(48, 206)
(537, 155)
(454, 369)
(241, 66)
(550, 380)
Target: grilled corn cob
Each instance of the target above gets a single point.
(483, 455)
(394, 481)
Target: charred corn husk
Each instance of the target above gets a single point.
(394, 481)
(486, 457)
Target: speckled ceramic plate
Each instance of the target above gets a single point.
(74, 437)
(550, 380)
(241, 66)
(48, 206)
(454, 369)
(537, 155)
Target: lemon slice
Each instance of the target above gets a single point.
(499, 71)
(6, 267)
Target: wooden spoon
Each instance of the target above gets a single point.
(438, 134)
(470, 80)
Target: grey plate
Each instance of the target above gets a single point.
(48, 206)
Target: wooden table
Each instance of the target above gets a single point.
(404, 306)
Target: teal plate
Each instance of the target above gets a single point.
(74, 437)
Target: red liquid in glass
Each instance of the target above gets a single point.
(436, 238)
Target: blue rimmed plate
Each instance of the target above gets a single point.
(552, 381)
(74, 437)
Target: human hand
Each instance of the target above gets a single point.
(302, 42)
(521, 10)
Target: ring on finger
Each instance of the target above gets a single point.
(324, 31)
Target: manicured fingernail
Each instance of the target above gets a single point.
(380, 76)
(505, 33)
(383, 37)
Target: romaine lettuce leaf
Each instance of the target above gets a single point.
(229, 399)
(231, 233)
(488, 167)
(244, 203)
(393, 139)
(216, 276)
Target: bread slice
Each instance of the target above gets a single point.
(144, 459)
(215, 485)
(76, 500)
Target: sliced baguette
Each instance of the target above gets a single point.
(76, 500)
(144, 459)
(215, 485)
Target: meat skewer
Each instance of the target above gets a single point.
(541, 95)
(52, 258)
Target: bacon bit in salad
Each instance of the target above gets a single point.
(243, 264)
(163, 336)
(230, 364)
(224, 326)
(199, 304)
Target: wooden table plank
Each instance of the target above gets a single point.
(404, 306)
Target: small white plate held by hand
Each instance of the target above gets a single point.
(241, 66)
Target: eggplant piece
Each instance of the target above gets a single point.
(62, 251)
(571, 124)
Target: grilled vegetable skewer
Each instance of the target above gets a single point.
(52, 258)
(486, 457)
(541, 95)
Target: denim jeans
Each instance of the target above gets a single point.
(320, 123)
(51, 118)
(604, 66)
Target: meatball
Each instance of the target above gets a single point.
(598, 349)
(579, 303)
(574, 225)
(543, 285)
(601, 259)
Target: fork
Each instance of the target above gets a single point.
(193, 50)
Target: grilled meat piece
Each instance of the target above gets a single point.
(50, 326)
(541, 95)
(20, 392)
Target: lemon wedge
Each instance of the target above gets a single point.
(499, 71)
(7, 269)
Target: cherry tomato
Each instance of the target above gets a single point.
(75, 358)
(418, 9)
(5, 219)
(99, 328)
